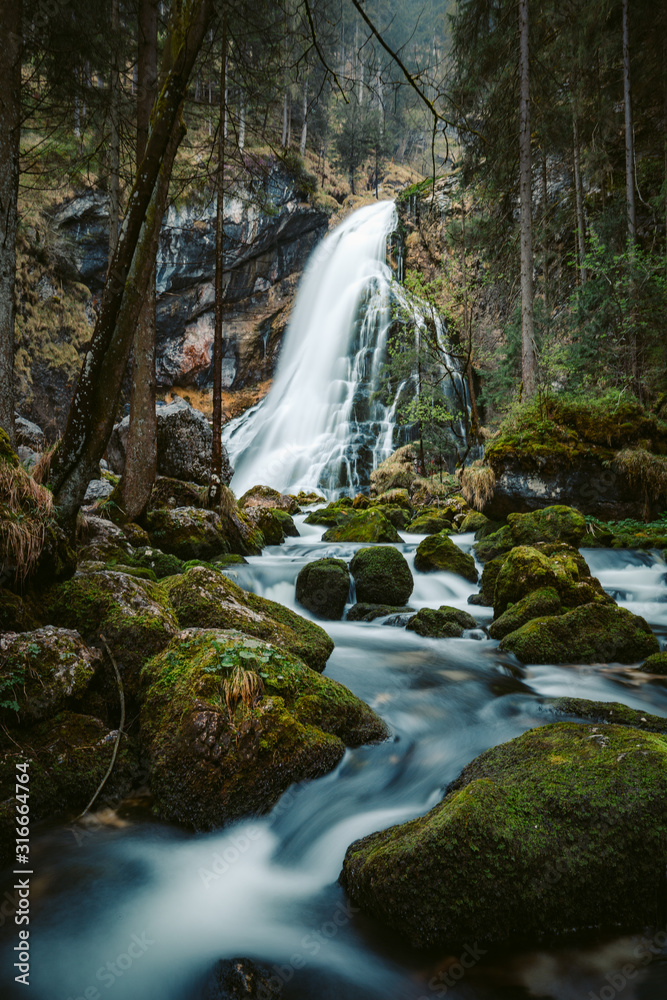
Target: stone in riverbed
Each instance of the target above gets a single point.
(536, 604)
(445, 623)
(381, 576)
(655, 664)
(592, 633)
(369, 612)
(438, 552)
(532, 567)
(229, 723)
(323, 587)
(362, 526)
(429, 524)
(187, 532)
(557, 831)
(265, 496)
(205, 598)
(552, 524)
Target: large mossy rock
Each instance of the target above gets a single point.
(206, 598)
(275, 525)
(655, 664)
(536, 604)
(68, 757)
(369, 612)
(265, 496)
(362, 526)
(187, 532)
(323, 587)
(561, 830)
(428, 524)
(533, 567)
(445, 623)
(394, 498)
(43, 672)
(551, 524)
(488, 582)
(229, 723)
(438, 552)
(592, 633)
(134, 616)
(381, 576)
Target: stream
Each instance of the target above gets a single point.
(139, 910)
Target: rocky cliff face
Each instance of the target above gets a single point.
(269, 233)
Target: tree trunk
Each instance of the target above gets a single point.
(629, 132)
(283, 141)
(10, 134)
(545, 231)
(214, 489)
(141, 450)
(114, 140)
(304, 126)
(96, 397)
(528, 363)
(579, 200)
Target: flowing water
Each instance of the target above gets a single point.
(267, 888)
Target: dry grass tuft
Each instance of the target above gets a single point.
(25, 509)
(42, 467)
(243, 686)
(646, 472)
(477, 484)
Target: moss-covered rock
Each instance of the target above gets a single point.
(536, 604)
(381, 576)
(558, 831)
(134, 616)
(229, 723)
(488, 582)
(397, 516)
(429, 524)
(307, 499)
(655, 664)
(17, 614)
(323, 587)
(445, 623)
(369, 612)
(168, 492)
(42, 672)
(361, 502)
(68, 757)
(275, 524)
(605, 712)
(264, 496)
(551, 524)
(592, 633)
(161, 563)
(474, 521)
(242, 536)
(328, 516)
(395, 498)
(529, 568)
(205, 598)
(438, 552)
(362, 526)
(187, 532)
(232, 559)
(494, 544)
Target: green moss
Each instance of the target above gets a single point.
(495, 544)
(213, 761)
(536, 604)
(593, 633)
(558, 831)
(474, 521)
(187, 532)
(381, 576)
(17, 614)
(429, 524)
(446, 623)
(655, 664)
(488, 582)
(323, 587)
(362, 526)
(438, 552)
(8, 456)
(527, 568)
(205, 598)
(607, 713)
(551, 524)
(369, 612)
(394, 498)
(161, 563)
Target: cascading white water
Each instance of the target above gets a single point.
(318, 423)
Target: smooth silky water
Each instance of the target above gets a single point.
(267, 889)
(170, 903)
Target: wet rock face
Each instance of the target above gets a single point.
(269, 235)
(184, 441)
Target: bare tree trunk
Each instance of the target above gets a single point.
(95, 400)
(579, 200)
(629, 131)
(242, 114)
(545, 230)
(304, 126)
(10, 134)
(467, 327)
(528, 363)
(114, 141)
(283, 141)
(215, 484)
(141, 449)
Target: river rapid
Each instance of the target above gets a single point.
(130, 908)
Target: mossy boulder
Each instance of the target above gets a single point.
(429, 524)
(560, 830)
(329, 515)
(397, 516)
(265, 496)
(161, 563)
(323, 587)
(361, 502)
(551, 524)
(488, 582)
(445, 623)
(655, 664)
(68, 757)
(381, 576)
(592, 633)
(395, 498)
(17, 614)
(369, 612)
(438, 552)
(187, 532)
(42, 672)
(606, 713)
(169, 492)
(134, 616)
(230, 722)
(362, 526)
(474, 521)
(307, 499)
(536, 604)
(205, 598)
(242, 536)
(533, 567)
(494, 544)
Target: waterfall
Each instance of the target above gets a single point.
(322, 425)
